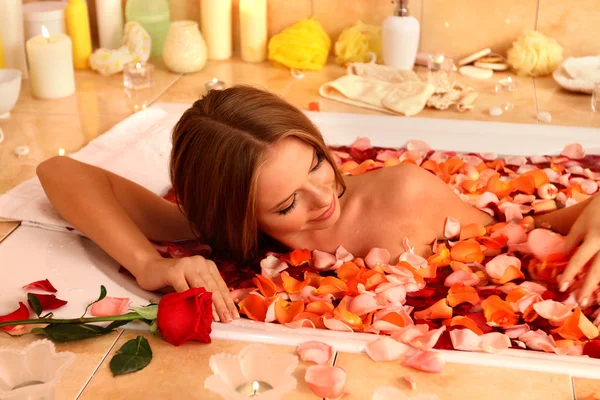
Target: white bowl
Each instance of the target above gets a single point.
(578, 74)
(10, 86)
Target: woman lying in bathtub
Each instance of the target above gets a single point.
(247, 166)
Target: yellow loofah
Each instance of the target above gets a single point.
(356, 41)
(304, 45)
(535, 54)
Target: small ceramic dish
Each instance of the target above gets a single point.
(578, 74)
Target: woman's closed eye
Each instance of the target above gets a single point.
(320, 158)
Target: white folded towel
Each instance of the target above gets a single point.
(138, 148)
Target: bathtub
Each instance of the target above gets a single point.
(78, 267)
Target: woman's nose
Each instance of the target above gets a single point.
(321, 196)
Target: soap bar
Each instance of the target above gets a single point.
(495, 66)
(475, 56)
(475, 72)
(545, 116)
(495, 111)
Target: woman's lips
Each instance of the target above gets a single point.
(328, 213)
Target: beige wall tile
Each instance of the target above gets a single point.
(586, 387)
(176, 372)
(566, 108)
(88, 355)
(574, 24)
(456, 382)
(462, 27)
(283, 13)
(336, 15)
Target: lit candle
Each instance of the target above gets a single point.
(253, 30)
(252, 389)
(215, 18)
(51, 65)
(11, 30)
(78, 28)
(138, 75)
(214, 83)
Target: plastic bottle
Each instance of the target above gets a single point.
(400, 38)
(154, 16)
(78, 28)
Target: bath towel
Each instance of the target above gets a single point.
(137, 148)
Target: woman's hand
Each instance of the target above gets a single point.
(190, 272)
(585, 231)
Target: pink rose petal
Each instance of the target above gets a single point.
(344, 255)
(414, 260)
(387, 154)
(553, 311)
(515, 160)
(515, 233)
(387, 349)
(428, 340)
(485, 199)
(410, 332)
(361, 143)
(326, 381)
(377, 256)
(364, 304)
(109, 306)
(538, 340)
(438, 156)
(465, 339)
(543, 243)
(317, 352)
(452, 228)
(391, 292)
(496, 267)
(524, 199)
(533, 287)
(322, 260)
(463, 277)
(336, 325)
(418, 146)
(300, 323)
(514, 332)
(539, 159)
(428, 361)
(493, 342)
(574, 151)
(489, 156)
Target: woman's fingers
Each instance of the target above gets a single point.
(207, 281)
(223, 289)
(575, 236)
(586, 251)
(590, 284)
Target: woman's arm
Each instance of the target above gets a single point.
(114, 212)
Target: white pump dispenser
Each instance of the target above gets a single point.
(400, 38)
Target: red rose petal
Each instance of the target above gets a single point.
(19, 314)
(44, 285)
(48, 301)
(592, 348)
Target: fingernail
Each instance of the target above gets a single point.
(564, 286)
(585, 302)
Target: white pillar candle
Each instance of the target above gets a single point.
(109, 14)
(51, 65)
(11, 31)
(215, 21)
(253, 30)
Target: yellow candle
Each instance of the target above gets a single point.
(78, 28)
(51, 74)
(253, 30)
(1, 55)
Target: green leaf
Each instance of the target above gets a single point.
(154, 328)
(116, 324)
(135, 355)
(148, 312)
(34, 303)
(61, 333)
(102, 295)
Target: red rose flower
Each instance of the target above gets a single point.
(185, 316)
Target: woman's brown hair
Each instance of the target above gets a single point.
(218, 145)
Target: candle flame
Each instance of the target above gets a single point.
(45, 32)
(61, 152)
(509, 79)
(138, 65)
(255, 386)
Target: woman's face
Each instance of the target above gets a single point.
(297, 191)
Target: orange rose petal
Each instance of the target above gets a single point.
(297, 257)
(527, 223)
(363, 167)
(463, 321)
(458, 266)
(499, 312)
(254, 306)
(319, 307)
(418, 277)
(497, 242)
(292, 285)
(453, 164)
(347, 271)
(511, 273)
(315, 279)
(441, 258)
(341, 313)
(394, 318)
(265, 286)
(539, 177)
(524, 184)
(460, 293)
(471, 231)
(496, 165)
(498, 187)
(348, 166)
(391, 162)
(439, 310)
(331, 285)
(431, 166)
(515, 295)
(577, 326)
(360, 262)
(373, 279)
(286, 311)
(467, 251)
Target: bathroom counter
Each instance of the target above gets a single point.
(64, 126)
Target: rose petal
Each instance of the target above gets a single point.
(317, 352)
(428, 340)
(387, 349)
(465, 339)
(515, 233)
(514, 332)
(410, 332)
(44, 285)
(336, 325)
(361, 143)
(538, 340)
(326, 381)
(553, 311)
(452, 228)
(48, 301)
(342, 254)
(418, 146)
(574, 151)
(428, 361)
(543, 243)
(377, 256)
(364, 304)
(322, 260)
(493, 342)
(463, 277)
(19, 314)
(109, 306)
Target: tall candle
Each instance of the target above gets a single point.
(51, 65)
(78, 28)
(253, 30)
(2, 65)
(11, 30)
(110, 23)
(215, 21)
